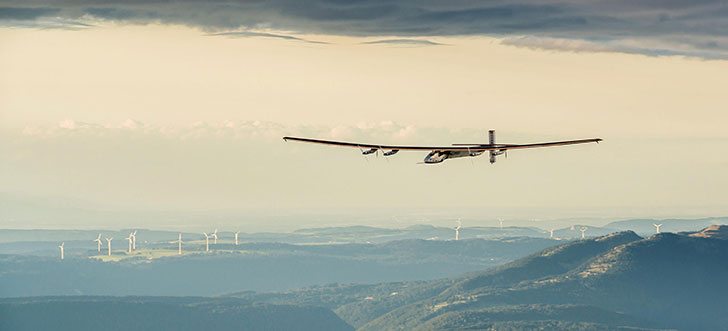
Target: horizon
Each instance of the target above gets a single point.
(79, 216)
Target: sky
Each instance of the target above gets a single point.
(180, 107)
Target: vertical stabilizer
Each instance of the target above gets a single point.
(491, 140)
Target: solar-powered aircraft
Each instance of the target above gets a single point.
(441, 153)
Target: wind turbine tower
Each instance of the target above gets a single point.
(551, 233)
(657, 227)
(236, 237)
(207, 242)
(500, 220)
(108, 241)
(133, 240)
(130, 238)
(214, 235)
(583, 229)
(457, 230)
(61, 247)
(98, 243)
(179, 244)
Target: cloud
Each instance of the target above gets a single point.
(412, 42)
(708, 49)
(26, 13)
(37, 17)
(597, 22)
(243, 34)
(233, 130)
(560, 44)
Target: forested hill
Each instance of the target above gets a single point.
(160, 313)
(664, 281)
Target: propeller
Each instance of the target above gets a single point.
(384, 156)
(363, 155)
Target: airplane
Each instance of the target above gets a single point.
(438, 154)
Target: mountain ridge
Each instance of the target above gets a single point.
(630, 275)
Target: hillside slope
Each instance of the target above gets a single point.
(664, 281)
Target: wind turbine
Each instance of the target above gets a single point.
(214, 234)
(61, 247)
(207, 242)
(130, 238)
(457, 229)
(657, 227)
(133, 238)
(108, 240)
(583, 229)
(179, 244)
(236, 238)
(98, 243)
(551, 233)
(500, 220)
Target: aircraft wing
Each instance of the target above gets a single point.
(470, 148)
(553, 143)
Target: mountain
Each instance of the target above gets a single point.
(160, 313)
(713, 231)
(549, 262)
(646, 227)
(664, 281)
(616, 282)
(360, 304)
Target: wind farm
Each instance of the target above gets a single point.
(235, 242)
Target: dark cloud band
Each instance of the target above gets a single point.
(667, 24)
(25, 13)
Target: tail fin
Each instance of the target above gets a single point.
(491, 140)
